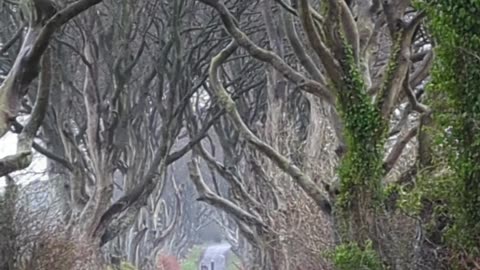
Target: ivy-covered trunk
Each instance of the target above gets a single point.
(456, 80)
(360, 203)
(342, 79)
(360, 170)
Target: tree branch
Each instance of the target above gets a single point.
(23, 157)
(331, 65)
(18, 128)
(230, 177)
(398, 67)
(178, 214)
(60, 160)
(269, 57)
(298, 49)
(25, 67)
(397, 149)
(209, 196)
(283, 163)
(12, 41)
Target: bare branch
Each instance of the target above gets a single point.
(291, 9)
(62, 161)
(398, 67)
(397, 149)
(310, 86)
(300, 52)
(23, 157)
(19, 128)
(12, 41)
(421, 72)
(283, 163)
(135, 198)
(331, 65)
(176, 216)
(350, 29)
(25, 68)
(209, 196)
(231, 178)
(417, 106)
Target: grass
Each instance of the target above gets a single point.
(233, 260)
(191, 262)
(123, 266)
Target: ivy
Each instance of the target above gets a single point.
(360, 170)
(350, 256)
(455, 89)
(392, 67)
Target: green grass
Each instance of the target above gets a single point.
(191, 262)
(123, 266)
(233, 260)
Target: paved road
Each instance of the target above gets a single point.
(216, 254)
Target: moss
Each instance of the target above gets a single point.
(226, 101)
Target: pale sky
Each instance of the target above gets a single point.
(36, 170)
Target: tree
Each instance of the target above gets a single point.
(345, 80)
(104, 136)
(303, 122)
(43, 20)
(454, 97)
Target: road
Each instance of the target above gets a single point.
(216, 254)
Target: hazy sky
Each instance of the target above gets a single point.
(8, 146)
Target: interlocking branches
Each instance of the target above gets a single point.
(25, 69)
(286, 165)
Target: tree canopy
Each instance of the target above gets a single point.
(322, 134)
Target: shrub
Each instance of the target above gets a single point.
(32, 237)
(167, 262)
(350, 256)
